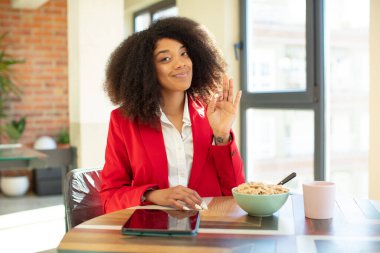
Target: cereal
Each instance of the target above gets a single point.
(258, 188)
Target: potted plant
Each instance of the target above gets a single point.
(8, 88)
(15, 129)
(63, 139)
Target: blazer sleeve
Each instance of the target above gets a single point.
(229, 166)
(117, 191)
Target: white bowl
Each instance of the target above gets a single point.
(45, 143)
(14, 186)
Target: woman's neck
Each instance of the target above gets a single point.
(172, 104)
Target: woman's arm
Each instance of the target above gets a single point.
(228, 165)
(221, 113)
(117, 176)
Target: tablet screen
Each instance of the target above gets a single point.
(162, 222)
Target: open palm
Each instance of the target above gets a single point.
(222, 110)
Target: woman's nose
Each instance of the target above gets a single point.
(179, 63)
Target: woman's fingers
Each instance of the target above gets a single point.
(212, 103)
(179, 205)
(237, 100)
(192, 199)
(185, 198)
(230, 91)
(192, 203)
(192, 192)
(226, 95)
(225, 87)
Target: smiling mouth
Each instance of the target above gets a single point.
(181, 75)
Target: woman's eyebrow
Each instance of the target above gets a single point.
(167, 50)
(161, 52)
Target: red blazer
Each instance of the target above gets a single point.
(136, 160)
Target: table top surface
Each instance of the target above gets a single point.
(20, 153)
(225, 227)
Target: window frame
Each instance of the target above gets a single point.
(312, 98)
(152, 9)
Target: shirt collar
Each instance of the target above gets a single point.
(186, 114)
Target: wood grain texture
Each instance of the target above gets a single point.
(227, 228)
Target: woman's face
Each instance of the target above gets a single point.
(174, 67)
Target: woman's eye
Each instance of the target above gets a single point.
(185, 54)
(165, 59)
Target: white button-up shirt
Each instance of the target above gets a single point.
(179, 148)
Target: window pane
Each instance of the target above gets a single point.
(169, 12)
(280, 142)
(347, 82)
(276, 41)
(142, 21)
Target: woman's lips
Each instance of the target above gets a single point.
(181, 75)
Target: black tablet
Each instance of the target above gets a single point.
(162, 222)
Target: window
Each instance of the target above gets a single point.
(278, 107)
(347, 89)
(143, 18)
(282, 143)
(277, 45)
(305, 79)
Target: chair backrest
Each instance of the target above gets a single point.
(82, 195)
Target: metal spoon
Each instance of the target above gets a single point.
(287, 179)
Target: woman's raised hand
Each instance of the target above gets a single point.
(222, 111)
(179, 197)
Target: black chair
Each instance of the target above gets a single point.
(82, 195)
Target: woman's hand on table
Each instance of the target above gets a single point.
(179, 197)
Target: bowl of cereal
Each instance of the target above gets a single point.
(260, 199)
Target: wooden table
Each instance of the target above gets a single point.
(226, 228)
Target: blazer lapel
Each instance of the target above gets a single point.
(202, 138)
(153, 141)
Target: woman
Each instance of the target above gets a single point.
(163, 146)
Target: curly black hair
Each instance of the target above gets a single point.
(131, 80)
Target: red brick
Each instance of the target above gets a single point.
(40, 37)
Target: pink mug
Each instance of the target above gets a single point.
(319, 199)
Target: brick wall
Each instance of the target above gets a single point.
(40, 38)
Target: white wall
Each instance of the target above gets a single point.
(95, 28)
(374, 157)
